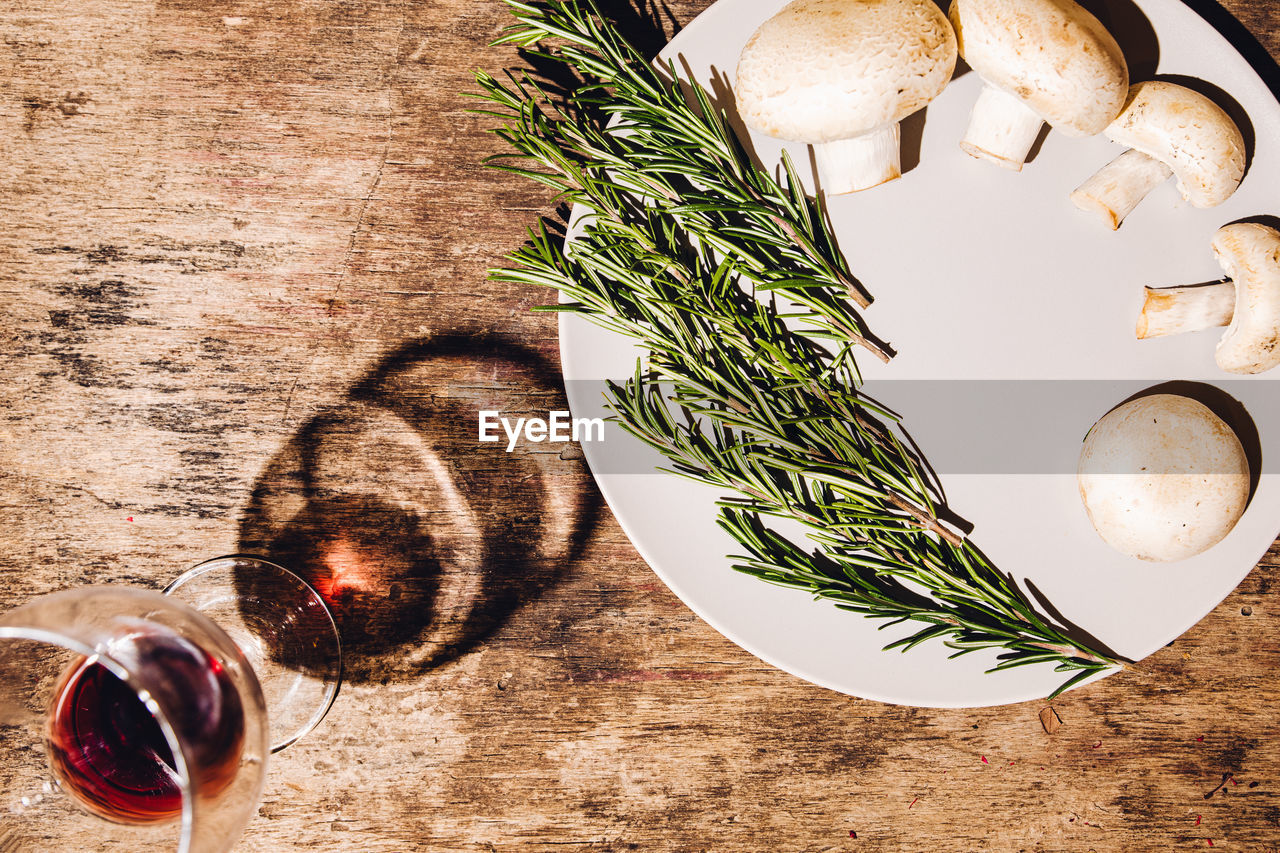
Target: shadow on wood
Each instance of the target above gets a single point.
(423, 539)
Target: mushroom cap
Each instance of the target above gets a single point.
(1163, 478)
(822, 70)
(1051, 54)
(1250, 255)
(1187, 132)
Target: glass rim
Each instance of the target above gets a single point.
(331, 692)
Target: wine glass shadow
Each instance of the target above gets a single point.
(422, 539)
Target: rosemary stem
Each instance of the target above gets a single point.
(731, 278)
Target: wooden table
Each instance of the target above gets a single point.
(244, 273)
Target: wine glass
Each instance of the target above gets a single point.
(133, 718)
(284, 628)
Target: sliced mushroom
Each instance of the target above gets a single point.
(840, 75)
(1041, 61)
(1169, 130)
(1163, 478)
(1249, 301)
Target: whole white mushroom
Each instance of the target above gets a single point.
(1163, 478)
(1041, 61)
(1168, 130)
(1247, 303)
(839, 75)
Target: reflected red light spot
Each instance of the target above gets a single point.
(345, 571)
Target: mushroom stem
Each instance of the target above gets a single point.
(1173, 310)
(1002, 129)
(860, 163)
(1118, 187)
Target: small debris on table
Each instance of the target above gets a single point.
(1050, 720)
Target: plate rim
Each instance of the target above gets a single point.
(606, 482)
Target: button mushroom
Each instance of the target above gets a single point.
(1041, 61)
(840, 75)
(1249, 300)
(1163, 478)
(1169, 130)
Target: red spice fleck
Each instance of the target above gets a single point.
(1096, 745)
(1210, 840)
(1197, 820)
(984, 760)
(1233, 781)
(853, 834)
(1010, 763)
(913, 802)
(130, 518)
(1200, 739)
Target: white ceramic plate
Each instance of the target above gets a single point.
(983, 274)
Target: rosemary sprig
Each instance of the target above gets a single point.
(733, 281)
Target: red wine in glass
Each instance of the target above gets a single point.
(109, 751)
(153, 715)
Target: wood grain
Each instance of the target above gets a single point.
(243, 238)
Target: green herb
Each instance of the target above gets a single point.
(733, 281)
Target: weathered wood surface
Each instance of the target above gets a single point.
(246, 238)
